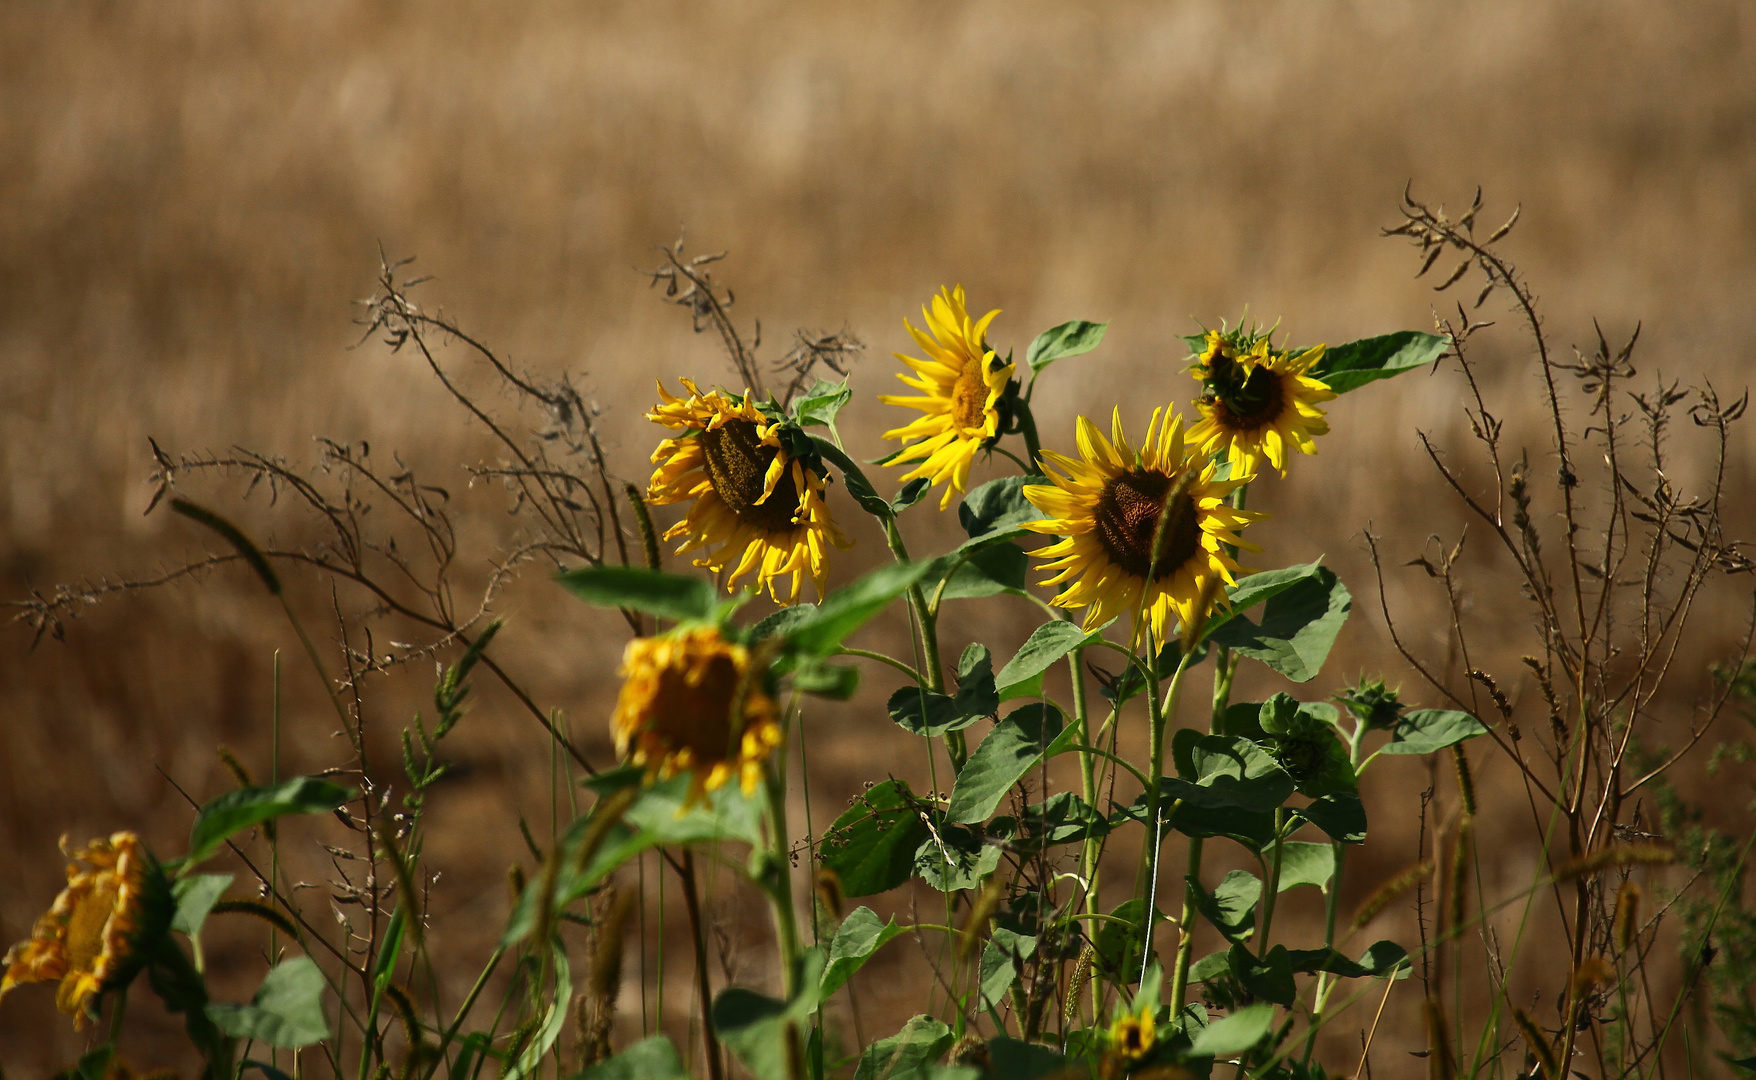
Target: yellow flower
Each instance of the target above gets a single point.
(1255, 403)
(756, 505)
(962, 380)
(90, 940)
(692, 703)
(1132, 1035)
(1107, 509)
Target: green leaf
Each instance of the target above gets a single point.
(669, 596)
(1268, 977)
(1013, 748)
(1063, 818)
(988, 571)
(836, 682)
(1002, 963)
(859, 936)
(1233, 1035)
(954, 859)
(858, 486)
(1298, 626)
(1383, 959)
(852, 606)
(1303, 863)
(1118, 940)
(248, 807)
(1353, 365)
(872, 845)
(920, 1042)
(553, 1019)
(1015, 1059)
(910, 493)
(195, 897)
(1341, 815)
(1231, 907)
(754, 1026)
(287, 1010)
(1303, 739)
(930, 714)
(1260, 588)
(652, 1058)
(1425, 731)
(999, 506)
(1069, 339)
(1022, 675)
(818, 405)
(1254, 830)
(1238, 773)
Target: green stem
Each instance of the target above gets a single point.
(1033, 447)
(1186, 928)
(934, 673)
(1161, 713)
(779, 885)
(1280, 824)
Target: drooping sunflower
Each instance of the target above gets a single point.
(1107, 507)
(756, 505)
(962, 381)
(1256, 402)
(93, 938)
(691, 703)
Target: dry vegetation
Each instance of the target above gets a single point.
(193, 194)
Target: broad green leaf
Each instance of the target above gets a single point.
(988, 571)
(920, 1042)
(1297, 629)
(1230, 1036)
(1384, 958)
(1015, 1059)
(852, 606)
(1063, 818)
(999, 507)
(1117, 945)
(1023, 674)
(1002, 960)
(195, 896)
(1303, 863)
(1069, 339)
(954, 859)
(871, 846)
(1268, 977)
(1341, 815)
(286, 1012)
(836, 682)
(1258, 588)
(1013, 748)
(1231, 907)
(859, 936)
(1237, 772)
(554, 1019)
(754, 1026)
(1353, 365)
(668, 596)
(1427, 730)
(819, 405)
(930, 714)
(910, 493)
(781, 623)
(1212, 966)
(248, 807)
(1303, 739)
(1250, 828)
(652, 1058)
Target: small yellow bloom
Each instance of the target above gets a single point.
(1132, 1035)
(692, 703)
(1107, 508)
(961, 381)
(1255, 403)
(757, 507)
(88, 941)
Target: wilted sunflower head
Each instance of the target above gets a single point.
(98, 933)
(961, 384)
(1133, 1034)
(1143, 531)
(1256, 402)
(694, 702)
(756, 499)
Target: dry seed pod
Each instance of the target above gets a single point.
(1592, 972)
(1627, 921)
(1539, 1045)
(1615, 855)
(1390, 890)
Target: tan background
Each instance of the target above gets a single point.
(191, 196)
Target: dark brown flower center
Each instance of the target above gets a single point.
(1253, 395)
(737, 464)
(969, 396)
(697, 714)
(1127, 517)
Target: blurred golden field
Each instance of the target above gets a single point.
(194, 195)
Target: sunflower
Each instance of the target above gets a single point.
(1256, 402)
(1107, 508)
(691, 703)
(962, 380)
(759, 506)
(92, 939)
(1132, 1035)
